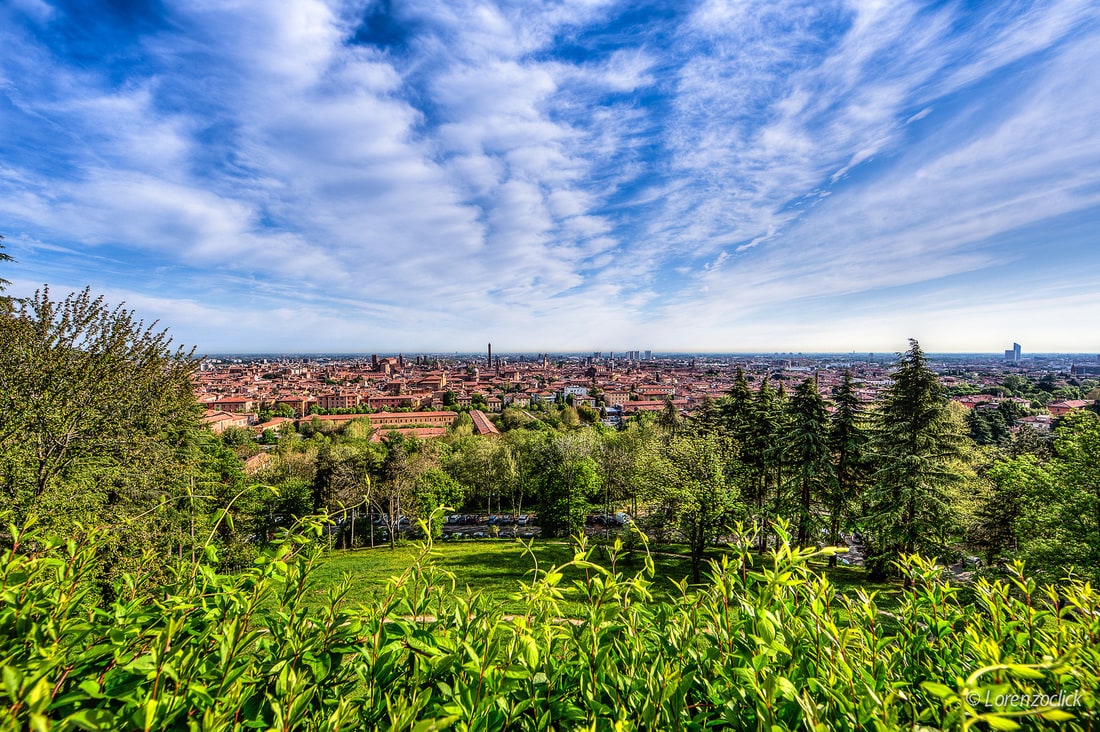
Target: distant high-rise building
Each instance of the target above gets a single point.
(648, 355)
(1012, 355)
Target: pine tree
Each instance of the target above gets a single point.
(848, 442)
(917, 444)
(705, 419)
(669, 419)
(807, 449)
(737, 411)
(764, 455)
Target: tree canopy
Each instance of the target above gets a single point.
(917, 443)
(96, 408)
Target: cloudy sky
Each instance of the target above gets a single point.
(721, 175)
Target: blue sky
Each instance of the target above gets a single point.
(574, 175)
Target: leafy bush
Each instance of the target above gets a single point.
(768, 644)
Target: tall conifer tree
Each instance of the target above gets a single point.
(916, 444)
(807, 448)
(737, 408)
(764, 455)
(848, 442)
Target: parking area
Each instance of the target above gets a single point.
(485, 526)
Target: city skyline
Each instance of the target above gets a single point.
(716, 177)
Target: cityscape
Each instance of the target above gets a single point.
(416, 394)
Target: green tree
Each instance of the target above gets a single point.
(1009, 486)
(807, 447)
(567, 479)
(848, 442)
(343, 484)
(619, 457)
(236, 437)
(433, 489)
(396, 480)
(762, 454)
(523, 446)
(485, 466)
(1060, 522)
(513, 418)
(917, 445)
(689, 480)
(669, 419)
(96, 411)
(737, 410)
(989, 425)
(706, 418)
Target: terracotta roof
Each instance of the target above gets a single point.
(482, 425)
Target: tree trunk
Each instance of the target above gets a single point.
(696, 551)
(834, 532)
(393, 525)
(804, 519)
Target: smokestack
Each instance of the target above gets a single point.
(490, 364)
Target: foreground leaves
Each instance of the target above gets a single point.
(767, 644)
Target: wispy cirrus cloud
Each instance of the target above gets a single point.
(417, 175)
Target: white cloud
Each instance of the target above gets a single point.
(475, 178)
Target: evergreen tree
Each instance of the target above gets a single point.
(764, 456)
(669, 419)
(848, 443)
(807, 449)
(705, 419)
(917, 445)
(737, 410)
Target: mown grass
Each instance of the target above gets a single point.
(495, 569)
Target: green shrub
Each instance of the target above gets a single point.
(767, 644)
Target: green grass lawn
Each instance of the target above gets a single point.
(495, 568)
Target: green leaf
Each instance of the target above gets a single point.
(1025, 672)
(530, 652)
(998, 722)
(12, 681)
(91, 688)
(940, 690)
(92, 719)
